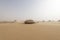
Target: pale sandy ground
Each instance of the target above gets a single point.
(40, 31)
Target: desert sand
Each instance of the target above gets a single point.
(38, 31)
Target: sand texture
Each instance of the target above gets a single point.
(40, 31)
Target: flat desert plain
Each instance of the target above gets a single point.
(38, 31)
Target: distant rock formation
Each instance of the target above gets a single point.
(58, 20)
(43, 20)
(8, 21)
(29, 22)
(49, 21)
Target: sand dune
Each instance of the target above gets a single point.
(40, 31)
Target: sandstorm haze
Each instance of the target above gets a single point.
(29, 9)
(12, 10)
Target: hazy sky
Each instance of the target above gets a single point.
(30, 9)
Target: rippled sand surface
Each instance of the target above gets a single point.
(40, 31)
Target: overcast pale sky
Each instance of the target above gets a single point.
(29, 9)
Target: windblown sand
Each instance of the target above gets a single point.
(40, 31)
